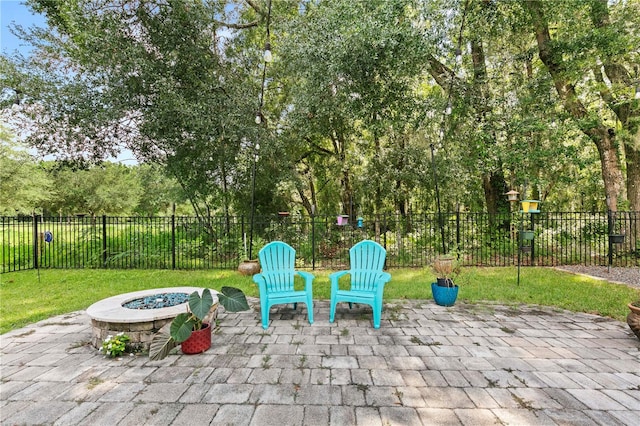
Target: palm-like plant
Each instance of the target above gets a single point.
(184, 324)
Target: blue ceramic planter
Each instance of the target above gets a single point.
(444, 296)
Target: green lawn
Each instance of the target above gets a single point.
(26, 298)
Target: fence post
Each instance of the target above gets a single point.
(609, 232)
(35, 241)
(458, 226)
(384, 233)
(104, 240)
(173, 241)
(313, 240)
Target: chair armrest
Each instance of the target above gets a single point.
(334, 277)
(308, 279)
(381, 280)
(384, 277)
(261, 281)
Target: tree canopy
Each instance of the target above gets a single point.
(367, 106)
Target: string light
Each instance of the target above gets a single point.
(268, 56)
(441, 134)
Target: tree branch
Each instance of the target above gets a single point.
(236, 26)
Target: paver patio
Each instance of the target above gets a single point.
(467, 364)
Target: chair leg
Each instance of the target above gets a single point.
(295, 306)
(310, 309)
(377, 313)
(332, 311)
(264, 312)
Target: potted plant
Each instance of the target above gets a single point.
(633, 318)
(445, 290)
(190, 329)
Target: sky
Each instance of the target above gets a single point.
(14, 11)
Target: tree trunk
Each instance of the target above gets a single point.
(346, 191)
(594, 129)
(306, 201)
(400, 196)
(633, 177)
(493, 182)
(625, 108)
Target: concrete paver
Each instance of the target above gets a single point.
(463, 365)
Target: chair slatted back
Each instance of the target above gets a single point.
(277, 260)
(367, 261)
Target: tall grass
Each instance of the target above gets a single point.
(30, 296)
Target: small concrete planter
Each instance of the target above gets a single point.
(249, 267)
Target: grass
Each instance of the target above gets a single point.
(26, 297)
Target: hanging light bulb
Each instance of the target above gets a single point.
(637, 96)
(268, 57)
(458, 56)
(448, 110)
(258, 119)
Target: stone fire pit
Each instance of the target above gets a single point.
(110, 317)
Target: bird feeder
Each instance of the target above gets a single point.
(342, 220)
(512, 195)
(526, 235)
(616, 238)
(530, 206)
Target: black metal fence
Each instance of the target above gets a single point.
(557, 238)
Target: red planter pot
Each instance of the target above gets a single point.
(198, 342)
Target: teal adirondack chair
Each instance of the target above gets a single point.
(367, 279)
(278, 260)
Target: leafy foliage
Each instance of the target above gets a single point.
(233, 299)
(114, 346)
(23, 182)
(352, 105)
